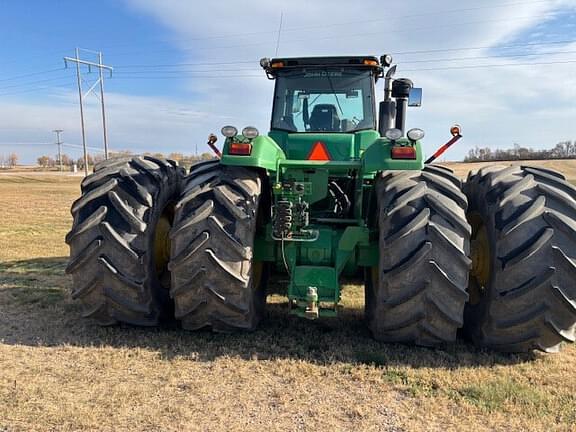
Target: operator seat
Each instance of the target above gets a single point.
(324, 118)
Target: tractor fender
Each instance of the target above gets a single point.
(265, 153)
(377, 157)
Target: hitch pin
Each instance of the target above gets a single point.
(312, 300)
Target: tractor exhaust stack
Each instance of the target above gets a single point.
(401, 91)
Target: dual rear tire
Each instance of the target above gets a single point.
(417, 292)
(523, 283)
(149, 244)
(118, 257)
(495, 258)
(516, 293)
(216, 282)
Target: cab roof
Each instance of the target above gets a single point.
(271, 66)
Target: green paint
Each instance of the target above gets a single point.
(265, 153)
(340, 146)
(320, 244)
(377, 157)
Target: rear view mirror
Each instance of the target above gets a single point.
(415, 98)
(351, 94)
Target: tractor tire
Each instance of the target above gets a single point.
(215, 281)
(523, 280)
(118, 250)
(417, 292)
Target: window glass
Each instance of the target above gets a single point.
(323, 100)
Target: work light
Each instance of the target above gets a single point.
(265, 62)
(229, 131)
(393, 134)
(415, 134)
(386, 60)
(250, 132)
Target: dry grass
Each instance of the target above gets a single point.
(60, 372)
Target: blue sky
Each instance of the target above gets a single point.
(185, 68)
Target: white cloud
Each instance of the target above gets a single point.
(532, 105)
(497, 106)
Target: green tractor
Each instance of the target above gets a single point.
(336, 188)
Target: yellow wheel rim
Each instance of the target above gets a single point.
(162, 243)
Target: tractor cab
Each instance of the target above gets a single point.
(324, 95)
(317, 96)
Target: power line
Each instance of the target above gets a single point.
(192, 71)
(490, 66)
(453, 59)
(34, 89)
(416, 29)
(187, 64)
(185, 76)
(16, 77)
(34, 82)
(427, 51)
(431, 51)
(9, 144)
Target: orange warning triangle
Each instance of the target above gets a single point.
(319, 152)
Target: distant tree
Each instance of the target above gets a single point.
(99, 158)
(120, 153)
(207, 156)
(562, 150)
(12, 160)
(67, 160)
(178, 157)
(43, 161)
(80, 161)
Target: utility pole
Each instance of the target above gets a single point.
(78, 61)
(59, 144)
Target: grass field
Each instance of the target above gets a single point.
(60, 372)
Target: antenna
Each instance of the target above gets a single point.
(279, 33)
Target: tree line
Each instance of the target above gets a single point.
(562, 150)
(8, 161)
(48, 162)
